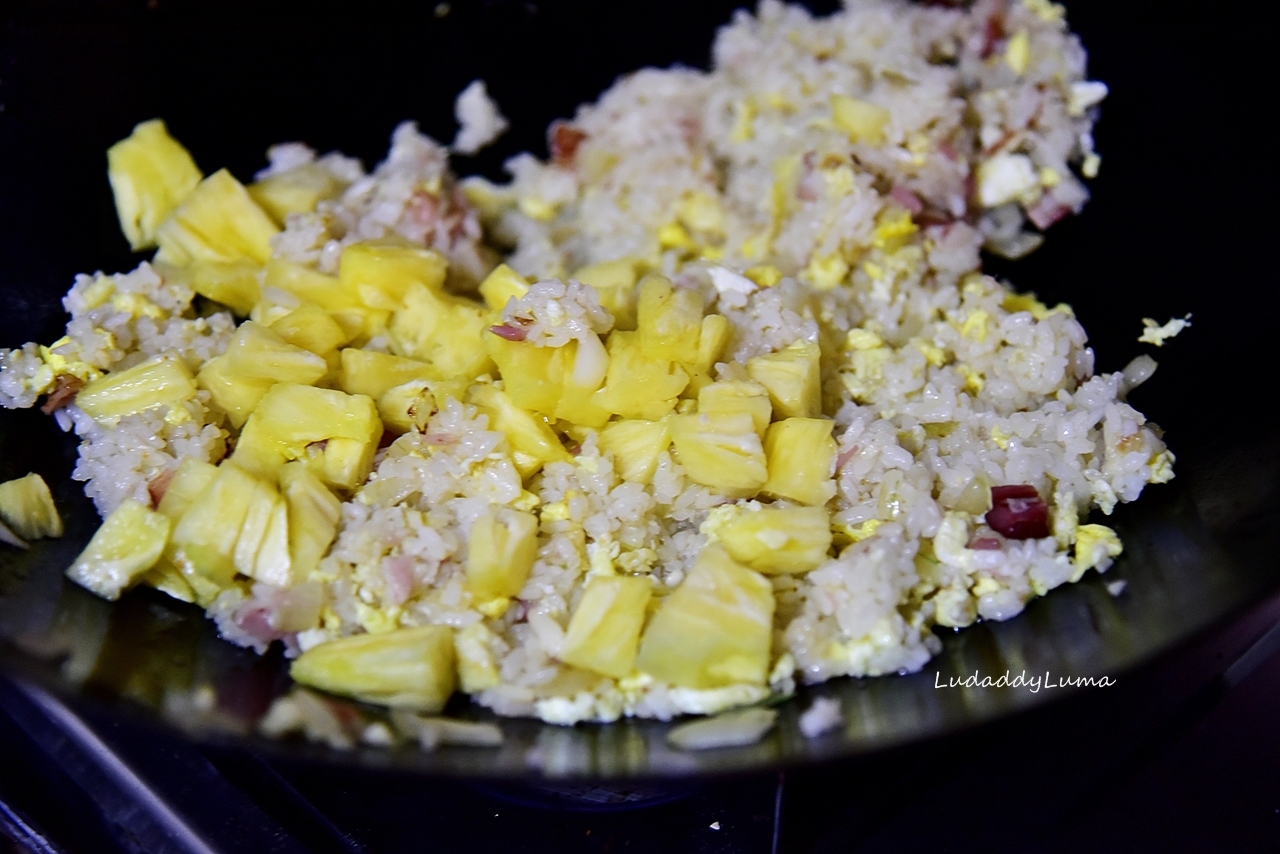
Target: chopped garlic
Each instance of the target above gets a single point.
(1006, 178)
(478, 117)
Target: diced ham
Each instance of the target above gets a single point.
(989, 544)
(397, 573)
(1018, 512)
(65, 389)
(563, 141)
(907, 199)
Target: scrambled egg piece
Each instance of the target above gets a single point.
(1154, 333)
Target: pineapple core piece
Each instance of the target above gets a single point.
(216, 222)
(721, 450)
(313, 517)
(793, 378)
(503, 546)
(524, 431)
(374, 374)
(128, 544)
(27, 507)
(714, 630)
(635, 446)
(160, 380)
(335, 434)
(258, 353)
(776, 540)
(443, 329)
(637, 386)
(738, 396)
(150, 174)
(380, 272)
(501, 286)
(604, 631)
(802, 460)
(404, 669)
(668, 320)
(296, 190)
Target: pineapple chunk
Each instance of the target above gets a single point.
(533, 376)
(802, 460)
(722, 451)
(160, 380)
(260, 507)
(525, 432)
(503, 546)
(476, 670)
(380, 272)
(716, 332)
(312, 328)
(150, 174)
(581, 399)
(296, 190)
(635, 446)
(189, 481)
(407, 406)
(604, 631)
(358, 321)
(405, 669)
(443, 329)
(128, 544)
(730, 396)
(271, 562)
(501, 286)
(218, 221)
(793, 378)
(615, 283)
(862, 120)
(669, 321)
(637, 386)
(258, 353)
(714, 630)
(234, 395)
(776, 540)
(374, 374)
(234, 284)
(27, 507)
(166, 578)
(204, 539)
(313, 518)
(335, 434)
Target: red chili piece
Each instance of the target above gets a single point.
(1018, 512)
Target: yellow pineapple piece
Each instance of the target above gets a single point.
(408, 406)
(714, 630)
(716, 334)
(524, 431)
(189, 481)
(235, 395)
(27, 507)
(217, 221)
(166, 578)
(503, 546)
(720, 450)
(313, 513)
(793, 378)
(533, 376)
(862, 120)
(128, 544)
(615, 283)
(204, 538)
(404, 669)
(150, 174)
(668, 321)
(335, 434)
(637, 386)
(160, 380)
(234, 283)
(380, 272)
(635, 446)
(501, 286)
(738, 396)
(476, 670)
(272, 562)
(776, 540)
(446, 330)
(367, 372)
(359, 322)
(258, 353)
(312, 328)
(296, 190)
(586, 364)
(604, 631)
(802, 460)
(260, 506)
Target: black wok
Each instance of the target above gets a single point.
(1176, 226)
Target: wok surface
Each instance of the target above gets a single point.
(1175, 226)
